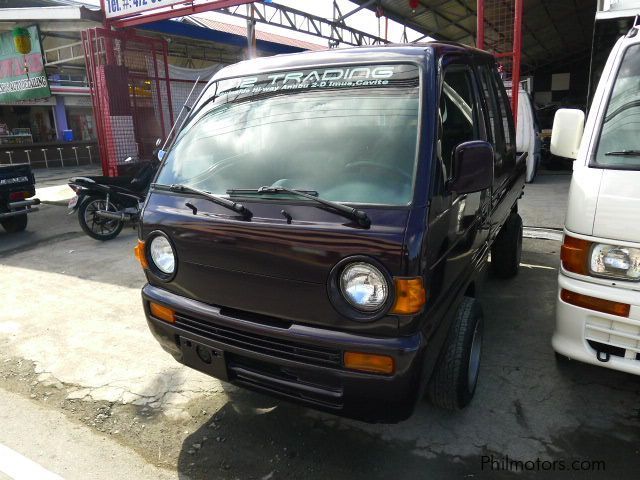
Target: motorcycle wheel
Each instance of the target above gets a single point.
(95, 226)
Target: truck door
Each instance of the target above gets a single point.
(501, 133)
(461, 218)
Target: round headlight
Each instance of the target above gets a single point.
(364, 286)
(162, 255)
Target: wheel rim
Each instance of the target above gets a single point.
(100, 226)
(474, 357)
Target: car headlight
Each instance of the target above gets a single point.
(364, 286)
(615, 261)
(162, 255)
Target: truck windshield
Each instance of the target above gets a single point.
(619, 144)
(349, 134)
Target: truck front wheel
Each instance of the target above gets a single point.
(15, 224)
(455, 377)
(507, 248)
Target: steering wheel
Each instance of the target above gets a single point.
(394, 170)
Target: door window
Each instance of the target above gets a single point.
(457, 114)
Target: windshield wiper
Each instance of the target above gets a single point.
(359, 216)
(231, 205)
(625, 153)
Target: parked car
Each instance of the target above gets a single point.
(318, 229)
(598, 309)
(17, 187)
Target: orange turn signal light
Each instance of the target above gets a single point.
(574, 254)
(593, 303)
(369, 362)
(410, 296)
(163, 313)
(140, 253)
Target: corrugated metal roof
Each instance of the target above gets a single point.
(265, 36)
(554, 31)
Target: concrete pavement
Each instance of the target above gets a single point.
(73, 342)
(74, 452)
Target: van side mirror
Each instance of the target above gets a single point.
(472, 167)
(568, 126)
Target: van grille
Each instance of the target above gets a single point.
(621, 336)
(261, 344)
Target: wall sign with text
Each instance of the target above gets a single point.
(22, 74)
(120, 8)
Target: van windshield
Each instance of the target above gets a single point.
(349, 134)
(619, 144)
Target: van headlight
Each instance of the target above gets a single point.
(162, 255)
(615, 261)
(364, 286)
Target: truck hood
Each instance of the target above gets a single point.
(618, 206)
(266, 266)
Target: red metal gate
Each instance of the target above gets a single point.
(500, 31)
(131, 92)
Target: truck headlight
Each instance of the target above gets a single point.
(615, 261)
(162, 255)
(364, 286)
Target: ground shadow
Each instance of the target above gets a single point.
(527, 407)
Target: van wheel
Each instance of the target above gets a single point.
(455, 377)
(507, 248)
(15, 224)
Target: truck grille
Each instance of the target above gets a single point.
(619, 337)
(261, 344)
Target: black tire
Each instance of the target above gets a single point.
(94, 226)
(455, 377)
(15, 224)
(507, 248)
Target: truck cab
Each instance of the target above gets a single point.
(598, 306)
(319, 226)
(17, 188)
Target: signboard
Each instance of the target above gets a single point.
(120, 8)
(22, 74)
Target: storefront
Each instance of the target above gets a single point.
(42, 121)
(48, 115)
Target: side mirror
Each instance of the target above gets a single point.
(160, 154)
(472, 167)
(568, 126)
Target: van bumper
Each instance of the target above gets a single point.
(581, 333)
(294, 362)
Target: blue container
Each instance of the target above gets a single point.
(67, 135)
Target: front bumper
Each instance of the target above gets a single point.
(20, 208)
(581, 333)
(292, 361)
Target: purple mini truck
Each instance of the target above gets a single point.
(319, 225)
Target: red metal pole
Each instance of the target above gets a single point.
(480, 28)
(517, 54)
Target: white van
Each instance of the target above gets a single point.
(598, 306)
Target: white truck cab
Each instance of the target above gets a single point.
(598, 305)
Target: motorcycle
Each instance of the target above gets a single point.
(106, 204)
